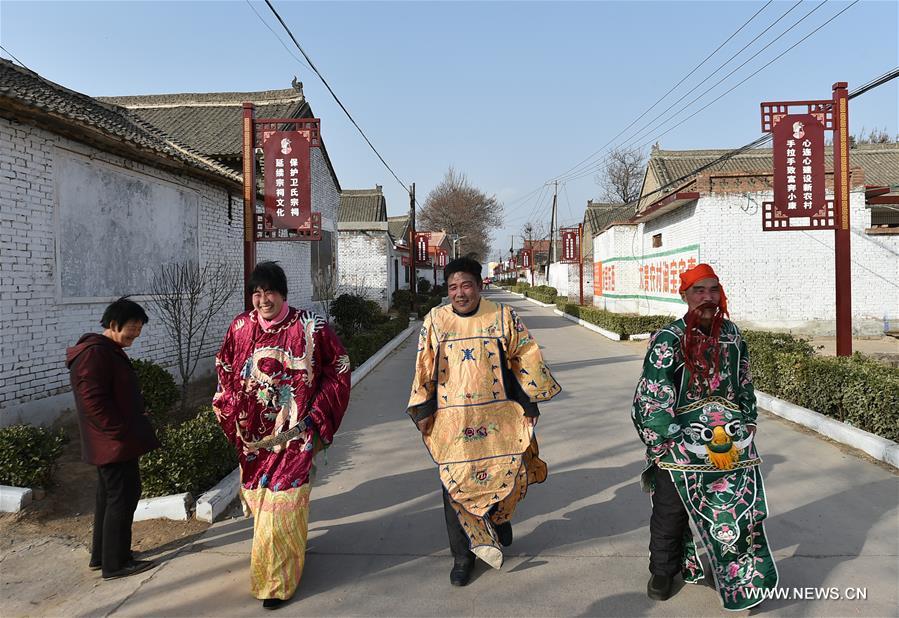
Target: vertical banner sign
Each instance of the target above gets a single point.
(288, 188)
(406, 261)
(800, 202)
(570, 251)
(422, 239)
(526, 258)
(441, 258)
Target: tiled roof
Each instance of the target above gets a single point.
(599, 216)
(880, 163)
(211, 122)
(27, 93)
(358, 205)
(398, 227)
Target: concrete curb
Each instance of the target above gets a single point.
(14, 499)
(877, 447)
(214, 502)
(177, 507)
(596, 329)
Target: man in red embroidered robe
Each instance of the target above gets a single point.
(284, 385)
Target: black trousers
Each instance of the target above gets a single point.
(458, 540)
(118, 491)
(668, 526)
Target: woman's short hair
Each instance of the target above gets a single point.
(267, 276)
(123, 311)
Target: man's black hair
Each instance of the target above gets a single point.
(269, 277)
(123, 311)
(463, 265)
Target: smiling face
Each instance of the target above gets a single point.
(268, 303)
(125, 335)
(704, 296)
(464, 292)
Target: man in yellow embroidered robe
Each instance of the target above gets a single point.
(478, 377)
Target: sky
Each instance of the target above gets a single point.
(512, 94)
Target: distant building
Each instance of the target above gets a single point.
(774, 280)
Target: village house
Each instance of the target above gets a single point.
(369, 261)
(94, 198)
(774, 280)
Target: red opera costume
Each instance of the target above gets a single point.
(282, 394)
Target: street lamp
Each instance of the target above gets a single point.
(456, 238)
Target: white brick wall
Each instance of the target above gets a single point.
(781, 280)
(37, 324)
(364, 264)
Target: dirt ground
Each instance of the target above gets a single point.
(66, 510)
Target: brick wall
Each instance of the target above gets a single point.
(38, 324)
(364, 264)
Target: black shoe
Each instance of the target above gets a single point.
(659, 587)
(273, 603)
(461, 573)
(97, 565)
(504, 533)
(132, 568)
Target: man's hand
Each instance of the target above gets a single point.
(425, 425)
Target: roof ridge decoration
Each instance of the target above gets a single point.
(208, 99)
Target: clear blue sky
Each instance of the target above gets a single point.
(509, 93)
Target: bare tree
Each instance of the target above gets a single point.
(456, 207)
(325, 282)
(187, 297)
(532, 231)
(622, 176)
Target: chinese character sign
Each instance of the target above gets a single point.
(288, 193)
(662, 275)
(441, 258)
(653, 277)
(570, 247)
(422, 240)
(526, 258)
(799, 165)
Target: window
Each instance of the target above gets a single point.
(324, 266)
(657, 240)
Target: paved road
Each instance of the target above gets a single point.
(378, 543)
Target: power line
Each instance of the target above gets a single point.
(14, 58)
(874, 83)
(672, 89)
(334, 95)
(281, 41)
(746, 23)
(641, 135)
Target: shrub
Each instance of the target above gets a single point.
(28, 455)
(364, 345)
(424, 285)
(857, 390)
(543, 293)
(401, 299)
(158, 388)
(439, 290)
(353, 313)
(194, 456)
(427, 305)
(625, 324)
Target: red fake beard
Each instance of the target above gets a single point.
(701, 351)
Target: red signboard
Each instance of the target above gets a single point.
(422, 239)
(441, 258)
(407, 261)
(527, 258)
(800, 202)
(570, 248)
(288, 188)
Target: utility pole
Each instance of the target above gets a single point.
(842, 235)
(412, 248)
(552, 230)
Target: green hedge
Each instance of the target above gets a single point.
(427, 305)
(625, 324)
(194, 456)
(364, 345)
(855, 389)
(28, 455)
(543, 293)
(355, 314)
(158, 389)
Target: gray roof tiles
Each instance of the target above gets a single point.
(362, 205)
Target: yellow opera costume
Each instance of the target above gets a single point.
(481, 376)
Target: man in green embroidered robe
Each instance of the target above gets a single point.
(695, 411)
